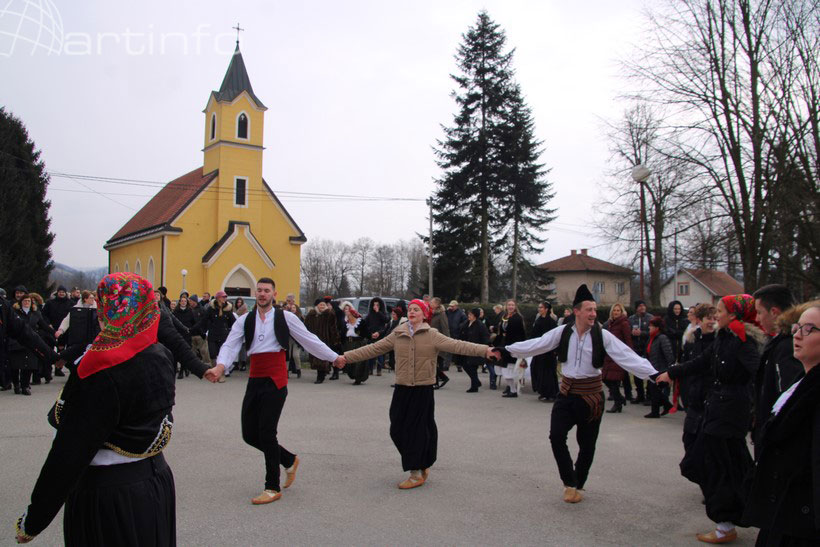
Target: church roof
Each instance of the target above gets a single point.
(158, 214)
(164, 207)
(236, 81)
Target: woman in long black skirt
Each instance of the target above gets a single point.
(113, 420)
(412, 411)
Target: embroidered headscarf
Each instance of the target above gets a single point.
(742, 306)
(130, 319)
(425, 308)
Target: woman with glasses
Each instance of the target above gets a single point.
(785, 496)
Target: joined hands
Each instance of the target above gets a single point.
(213, 374)
(340, 362)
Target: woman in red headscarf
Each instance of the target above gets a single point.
(720, 457)
(113, 420)
(412, 418)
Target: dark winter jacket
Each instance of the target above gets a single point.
(169, 336)
(509, 332)
(477, 333)
(733, 364)
(56, 309)
(541, 326)
(20, 356)
(456, 320)
(660, 354)
(13, 328)
(216, 322)
(324, 326)
(187, 317)
(695, 387)
(778, 370)
(785, 491)
(640, 322)
(675, 327)
(622, 331)
(375, 321)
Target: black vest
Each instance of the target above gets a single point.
(280, 328)
(81, 326)
(598, 351)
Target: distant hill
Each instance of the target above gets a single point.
(86, 278)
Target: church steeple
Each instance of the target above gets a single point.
(236, 81)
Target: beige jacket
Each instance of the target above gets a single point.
(415, 354)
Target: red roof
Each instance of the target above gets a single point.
(582, 262)
(167, 204)
(719, 283)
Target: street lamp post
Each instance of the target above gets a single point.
(639, 174)
(184, 273)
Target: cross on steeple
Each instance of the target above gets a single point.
(237, 29)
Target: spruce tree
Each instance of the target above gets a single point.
(25, 251)
(465, 200)
(525, 190)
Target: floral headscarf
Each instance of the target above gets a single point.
(742, 306)
(425, 308)
(130, 318)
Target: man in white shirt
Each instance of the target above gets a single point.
(582, 345)
(265, 332)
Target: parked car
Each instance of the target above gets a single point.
(362, 303)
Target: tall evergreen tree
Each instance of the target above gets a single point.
(466, 197)
(25, 240)
(526, 192)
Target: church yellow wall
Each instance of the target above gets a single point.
(226, 116)
(142, 250)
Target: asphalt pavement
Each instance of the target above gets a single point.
(495, 481)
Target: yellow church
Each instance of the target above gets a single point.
(220, 226)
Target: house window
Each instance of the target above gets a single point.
(240, 186)
(242, 126)
(213, 126)
(620, 288)
(683, 289)
(598, 287)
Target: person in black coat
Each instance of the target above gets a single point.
(476, 332)
(510, 330)
(784, 498)
(722, 455)
(185, 315)
(695, 387)
(778, 368)
(216, 321)
(57, 308)
(372, 328)
(14, 329)
(22, 360)
(660, 353)
(676, 323)
(544, 374)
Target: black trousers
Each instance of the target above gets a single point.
(131, 504)
(627, 388)
(570, 411)
(659, 395)
(639, 388)
(413, 426)
(21, 378)
(472, 372)
(261, 410)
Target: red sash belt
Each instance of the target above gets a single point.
(270, 365)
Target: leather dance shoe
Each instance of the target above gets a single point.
(411, 482)
(510, 395)
(652, 415)
(616, 408)
(26, 391)
(713, 537)
(472, 390)
(290, 472)
(267, 496)
(572, 495)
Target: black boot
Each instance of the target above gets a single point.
(320, 376)
(617, 407)
(335, 375)
(59, 372)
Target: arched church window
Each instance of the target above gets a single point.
(242, 126)
(150, 276)
(213, 126)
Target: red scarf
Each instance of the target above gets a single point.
(130, 319)
(742, 306)
(652, 336)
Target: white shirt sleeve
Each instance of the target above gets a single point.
(307, 339)
(230, 349)
(625, 358)
(536, 346)
(67, 319)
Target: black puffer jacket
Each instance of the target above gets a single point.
(660, 353)
(675, 327)
(56, 309)
(216, 322)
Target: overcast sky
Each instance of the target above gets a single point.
(356, 92)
